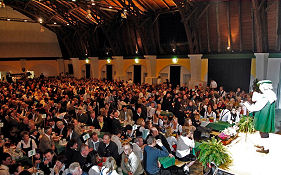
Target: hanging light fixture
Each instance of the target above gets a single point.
(2, 4)
(108, 60)
(175, 60)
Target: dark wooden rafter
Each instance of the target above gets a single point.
(240, 27)
(260, 17)
(166, 4)
(147, 4)
(189, 11)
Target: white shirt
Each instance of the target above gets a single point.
(212, 114)
(22, 144)
(172, 141)
(183, 146)
(138, 151)
(133, 162)
(213, 84)
(104, 171)
(225, 115)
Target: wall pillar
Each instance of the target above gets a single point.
(261, 65)
(150, 65)
(94, 61)
(195, 69)
(61, 66)
(119, 68)
(76, 67)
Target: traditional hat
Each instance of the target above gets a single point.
(264, 81)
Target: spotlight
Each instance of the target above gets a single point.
(175, 60)
(8, 19)
(174, 50)
(228, 48)
(108, 60)
(55, 23)
(67, 24)
(40, 20)
(73, 0)
(93, 3)
(110, 7)
(87, 60)
(137, 60)
(25, 20)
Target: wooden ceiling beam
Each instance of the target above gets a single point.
(166, 4)
(144, 1)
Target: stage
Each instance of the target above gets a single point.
(246, 161)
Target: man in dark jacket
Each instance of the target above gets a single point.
(107, 148)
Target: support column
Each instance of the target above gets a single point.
(119, 68)
(151, 69)
(61, 66)
(76, 67)
(261, 65)
(94, 61)
(195, 66)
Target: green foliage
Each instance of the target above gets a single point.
(213, 151)
(246, 124)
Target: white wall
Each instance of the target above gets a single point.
(273, 71)
(20, 39)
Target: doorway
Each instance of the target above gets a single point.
(175, 75)
(137, 74)
(109, 72)
(88, 71)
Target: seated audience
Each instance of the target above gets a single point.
(130, 162)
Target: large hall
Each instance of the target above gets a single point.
(140, 87)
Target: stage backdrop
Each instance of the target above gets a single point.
(230, 73)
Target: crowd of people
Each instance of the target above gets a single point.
(133, 124)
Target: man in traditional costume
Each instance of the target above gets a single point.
(264, 108)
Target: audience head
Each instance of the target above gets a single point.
(48, 130)
(49, 154)
(6, 159)
(25, 136)
(110, 163)
(151, 141)
(84, 150)
(128, 148)
(154, 131)
(139, 141)
(106, 138)
(75, 169)
(94, 136)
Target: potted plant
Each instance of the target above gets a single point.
(246, 124)
(213, 151)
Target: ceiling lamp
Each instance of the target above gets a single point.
(40, 20)
(175, 60)
(108, 60)
(2, 4)
(137, 60)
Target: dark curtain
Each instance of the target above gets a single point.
(230, 73)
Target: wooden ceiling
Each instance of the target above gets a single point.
(158, 27)
(69, 12)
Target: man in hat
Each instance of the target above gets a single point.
(264, 108)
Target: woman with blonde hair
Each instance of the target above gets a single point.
(171, 139)
(109, 167)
